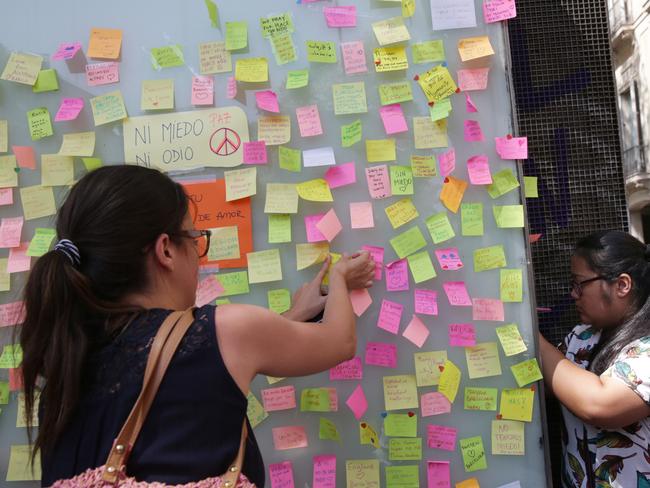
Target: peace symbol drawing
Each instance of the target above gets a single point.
(224, 142)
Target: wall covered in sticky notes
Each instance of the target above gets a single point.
(306, 128)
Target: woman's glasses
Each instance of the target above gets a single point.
(577, 286)
(201, 239)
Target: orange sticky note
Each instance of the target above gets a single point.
(105, 43)
(452, 193)
(361, 300)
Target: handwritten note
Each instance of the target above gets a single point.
(361, 215)
(497, 10)
(397, 278)
(508, 438)
(434, 403)
(362, 473)
(279, 398)
(517, 404)
(441, 437)
(38, 201)
(56, 170)
(452, 193)
(478, 169)
(503, 182)
(427, 367)
(309, 121)
(512, 147)
(400, 392)
(236, 35)
(452, 14)
(437, 83)
(108, 108)
(347, 370)
(390, 31)
(393, 119)
(471, 219)
(473, 454)
(487, 258)
(439, 227)
(264, 266)
(472, 131)
(354, 57)
(255, 152)
(395, 92)
(66, 51)
(487, 309)
(381, 354)
(214, 58)
(461, 335)
(391, 58)
(324, 471)
(378, 182)
(78, 144)
(349, 98)
(526, 372)
(321, 51)
(401, 424)
(404, 449)
(426, 302)
(423, 166)
(511, 339)
(449, 259)
(480, 399)
(297, 79)
(438, 474)
(105, 43)
(449, 381)
(474, 48)
(428, 51)
(39, 123)
(252, 70)
(22, 68)
(69, 109)
(408, 242)
(473, 79)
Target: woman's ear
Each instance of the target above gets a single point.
(162, 252)
(623, 285)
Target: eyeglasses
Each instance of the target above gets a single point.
(201, 239)
(577, 286)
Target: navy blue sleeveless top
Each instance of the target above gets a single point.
(193, 428)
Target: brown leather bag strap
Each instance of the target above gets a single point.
(230, 476)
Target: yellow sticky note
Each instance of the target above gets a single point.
(21, 417)
(108, 108)
(480, 399)
(395, 92)
(8, 174)
(327, 430)
(401, 212)
(157, 95)
(408, 8)
(281, 198)
(492, 257)
(315, 400)
(22, 68)
(511, 285)
(254, 410)
(56, 170)
(39, 123)
(437, 83)
(78, 144)
(20, 468)
(368, 435)
(427, 367)
(421, 266)
(290, 159)
(468, 483)
(214, 58)
(321, 51)
(236, 35)
(401, 180)
(5, 285)
(252, 70)
(276, 25)
(511, 339)
(279, 228)
(272, 380)
(297, 79)
(400, 392)
(503, 182)
(92, 163)
(309, 254)
(423, 166)
(517, 404)
(38, 201)
(316, 190)
(274, 129)
(508, 438)
(404, 449)
(105, 43)
(240, 183)
(390, 31)
(390, 59)
(428, 51)
(351, 133)
(349, 98)
(452, 192)
(41, 242)
(474, 48)
(279, 300)
(264, 266)
(530, 185)
(4, 136)
(508, 216)
(362, 473)
(167, 56)
(483, 360)
(284, 49)
(526, 372)
(46, 81)
(471, 219)
(428, 134)
(473, 453)
(401, 424)
(449, 381)
(380, 150)
(224, 243)
(408, 242)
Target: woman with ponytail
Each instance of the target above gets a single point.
(127, 256)
(602, 375)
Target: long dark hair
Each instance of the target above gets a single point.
(610, 254)
(113, 215)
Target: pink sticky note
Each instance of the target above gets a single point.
(378, 181)
(457, 293)
(354, 57)
(330, 225)
(313, 233)
(279, 398)
(334, 399)
(472, 131)
(347, 370)
(69, 109)
(25, 156)
(470, 107)
(361, 216)
(447, 162)
(441, 437)
(289, 437)
(357, 402)
(6, 196)
(462, 335)
(324, 471)
(377, 255)
(478, 169)
(416, 331)
(18, 260)
(16, 379)
(66, 51)
(281, 475)
(496, 10)
(361, 300)
(231, 88)
(487, 309)
(209, 288)
(426, 302)
(102, 73)
(202, 90)
(449, 259)
(12, 313)
(10, 231)
(397, 276)
(434, 403)
(341, 16)
(390, 315)
(267, 100)
(393, 118)
(341, 175)
(438, 474)
(512, 148)
(473, 79)
(255, 152)
(381, 354)
(309, 121)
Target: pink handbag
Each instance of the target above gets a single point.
(113, 473)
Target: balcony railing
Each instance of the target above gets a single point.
(619, 15)
(635, 160)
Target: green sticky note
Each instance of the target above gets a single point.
(526, 372)
(401, 180)
(284, 49)
(511, 339)
(235, 283)
(46, 81)
(297, 79)
(276, 25)
(279, 228)
(492, 257)
(351, 133)
(222, 301)
(12, 356)
(508, 216)
(480, 399)
(511, 285)
(315, 400)
(428, 51)
(167, 56)
(440, 110)
(471, 219)
(408, 242)
(403, 476)
(404, 449)
(290, 159)
(254, 410)
(530, 187)
(423, 166)
(390, 93)
(41, 241)
(39, 123)
(517, 404)
(349, 98)
(213, 13)
(401, 425)
(421, 266)
(327, 430)
(279, 300)
(236, 35)
(439, 227)
(321, 51)
(473, 454)
(92, 163)
(4, 392)
(502, 182)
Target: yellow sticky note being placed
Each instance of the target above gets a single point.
(511, 285)
(511, 339)
(252, 70)
(78, 144)
(428, 134)
(400, 392)
(390, 59)
(38, 201)
(22, 68)
(390, 31)
(349, 98)
(316, 190)
(483, 360)
(240, 183)
(281, 198)
(380, 150)
(264, 266)
(474, 48)
(517, 404)
(20, 468)
(449, 381)
(56, 170)
(224, 244)
(157, 94)
(508, 438)
(362, 473)
(108, 108)
(309, 254)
